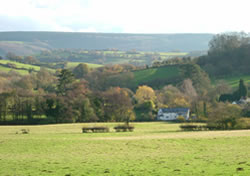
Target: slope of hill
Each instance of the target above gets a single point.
(97, 41)
(156, 73)
(157, 77)
(233, 81)
(71, 65)
(21, 48)
(23, 69)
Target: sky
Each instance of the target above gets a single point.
(126, 16)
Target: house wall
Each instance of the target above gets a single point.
(168, 116)
(171, 116)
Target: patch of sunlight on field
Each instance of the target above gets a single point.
(5, 69)
(20, 65)
(155, 73)
(234, 81)
(74, 64)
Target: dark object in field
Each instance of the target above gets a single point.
(177, 170)
(95, 129)
(192, 127)
(123, 128)
(25, 131)
(239, 169)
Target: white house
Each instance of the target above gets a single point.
(242, 101)
(173, 113)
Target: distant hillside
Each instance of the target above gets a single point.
(21, 48)
(38, 41)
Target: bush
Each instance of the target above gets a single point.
(124, 128)
(243, 123)
(25, 131)
(95, 129)
(181, 119)
(192, 127)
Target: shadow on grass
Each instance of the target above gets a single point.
(164, 131)
(180, 131)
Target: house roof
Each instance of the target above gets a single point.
(174, 110)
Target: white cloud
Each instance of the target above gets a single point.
(133, 16)
(87, 30)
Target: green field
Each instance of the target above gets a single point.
(6, 69)
(234, 80)
(124, 56)
(159, 73)
(20, 65)
(23, 69)
(155, 148)
(74, 64)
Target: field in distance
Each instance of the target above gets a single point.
(155, 148)
(23, 69)
(71, 65)
(233, 81)
(156, 76)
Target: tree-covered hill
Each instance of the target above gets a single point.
(37, 41)
(228, 56)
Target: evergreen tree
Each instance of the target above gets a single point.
(65, 80)
(242, 89)
(205, 109)
(81, 70)
(87, 113)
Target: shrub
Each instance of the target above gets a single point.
(25, 131)
(243, 123)
(124, 128)
(95, 129)
(181, 119)
(188, 127)
(192, 127)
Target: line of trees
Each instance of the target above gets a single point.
(85, 95)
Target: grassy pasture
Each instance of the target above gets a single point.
(22, 68)
(123, 57)
(6, 69)
(234, 80)
(155, 148)
(74, 64)
(155, 73)
(20, 65)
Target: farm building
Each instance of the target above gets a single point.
(173, 113)
(242, 101)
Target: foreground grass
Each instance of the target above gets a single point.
(152, 149)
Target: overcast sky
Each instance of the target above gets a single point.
(126, 16)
